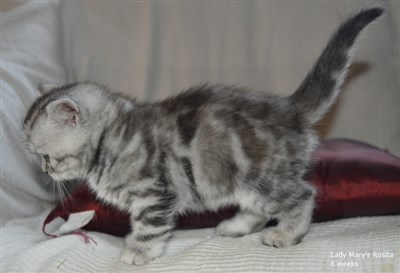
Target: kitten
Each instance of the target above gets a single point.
(208, 147)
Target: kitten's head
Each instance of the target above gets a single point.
(58, 127)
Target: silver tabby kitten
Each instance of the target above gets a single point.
(209, 147)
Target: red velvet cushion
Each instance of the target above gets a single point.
(352, 179)
(355, 179)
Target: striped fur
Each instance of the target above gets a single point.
(206, 148)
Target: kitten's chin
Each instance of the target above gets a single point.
(61, 179)
(58, 179)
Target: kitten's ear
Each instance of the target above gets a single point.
(65, 111)
(44, 88)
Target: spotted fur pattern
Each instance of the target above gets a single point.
(206, 148)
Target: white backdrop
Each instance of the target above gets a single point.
(153, 49)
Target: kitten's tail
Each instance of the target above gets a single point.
(322, 85)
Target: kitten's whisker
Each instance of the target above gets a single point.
(62, 195)
(59, 193)
(66, 199)
(70, 198)
(53, 187)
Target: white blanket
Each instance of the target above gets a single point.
(368, 244)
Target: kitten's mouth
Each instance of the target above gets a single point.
(56, 177)
(59, 179)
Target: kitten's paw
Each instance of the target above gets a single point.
(132, 256)
(278, 238)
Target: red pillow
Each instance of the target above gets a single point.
(352, 179)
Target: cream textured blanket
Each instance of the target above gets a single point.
(368, 244)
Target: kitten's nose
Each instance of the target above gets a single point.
(45, 168)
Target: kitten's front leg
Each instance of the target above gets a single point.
(151, 228)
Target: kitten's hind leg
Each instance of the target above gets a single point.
(293, 223)
(244, 222)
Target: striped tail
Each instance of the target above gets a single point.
(320, 88)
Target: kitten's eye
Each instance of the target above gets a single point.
(46, 158)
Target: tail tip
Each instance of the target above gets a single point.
(373, 12)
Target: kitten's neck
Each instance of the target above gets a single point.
(103, 116)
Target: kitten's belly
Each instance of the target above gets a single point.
(204, 199)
